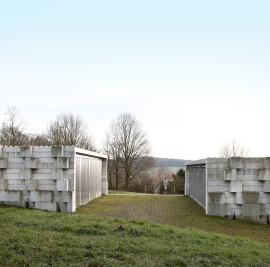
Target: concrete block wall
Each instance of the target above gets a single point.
(40, 177)
(237, 188)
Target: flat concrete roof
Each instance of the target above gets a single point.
(85, 152)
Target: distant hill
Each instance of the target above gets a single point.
(165, 162)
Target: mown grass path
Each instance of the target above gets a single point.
(179, 211)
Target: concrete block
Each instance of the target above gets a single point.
(233, 210)
(230, 174)
(15, 163)
(57, 174)
(253, 210)
(42, 174)
(11, 196)
(247, 177)
(252, 186)
(266, 186)
(263, 219)
(218, 198)
(229, 198)
(46, 163)
(62, 163)
(267, 163)
(62, 185)
(251, 197)
(71, 185)
(253, 163)
(217, 165)
(10, 152)
(31, 185)
(105, 188)
(220, 184)
(217, 160)
(71, 207)
(16, 203)
(227, 175)
(26, 198)
(11, 174)
(69, 152)
(215, 171)
(68, 197)
(40, 196)
(50, 206)
(247, 172)
(264, 175)
(31, 205)
(236, 163)
(26, 174)
(2, 195)
(235, 186)
(216, 209)
(3, 185)
(264, 198)
(239, 198)
(46, 185)
(31, 163)
(62, 206)
(57, 196)
(3, 163)
(41, 152)
(215, 177)
(16, 187)
(69, 174)
(26, 152)
(57, 151)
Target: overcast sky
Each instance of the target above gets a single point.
(195, 73)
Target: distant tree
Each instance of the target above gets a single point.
(131, 146)
(143, 184)
(114, 164)
(177, 185)
(38, 140)
(233, 149)
(69, 130)
(12, 132)
(161, 189)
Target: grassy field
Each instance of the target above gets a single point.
(113, 192)
(179, 211)
(39, 238)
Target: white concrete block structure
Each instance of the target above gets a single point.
(231, 187)
(51, 178)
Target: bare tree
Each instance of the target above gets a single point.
(131, 147)
(38, 140)
(233, 149)
(12, 132)
(114, 163)
(69, 130)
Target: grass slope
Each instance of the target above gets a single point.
(38, 238)
(180, 211)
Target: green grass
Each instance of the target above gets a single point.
(113, 192)
(39, 238)
(179, 211)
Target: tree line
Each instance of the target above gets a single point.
(130, 163)
(126, 144)
(66, 130)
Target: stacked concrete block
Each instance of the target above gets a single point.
(235, 187)
(41, 177)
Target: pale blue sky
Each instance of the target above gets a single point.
(195, 73)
